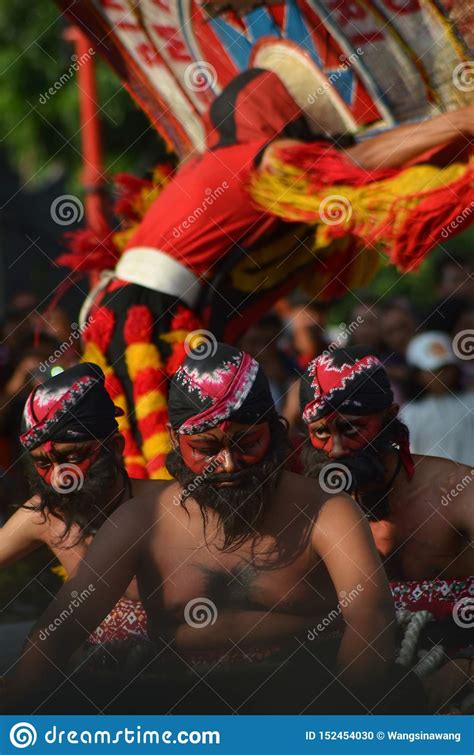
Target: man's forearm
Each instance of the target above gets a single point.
(366, 651)
(396, 147)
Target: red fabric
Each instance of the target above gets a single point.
(263, 108)
(439, 596)
(126, 619)
(179, 223)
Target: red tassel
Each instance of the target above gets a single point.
(138, 325)
(89, 251)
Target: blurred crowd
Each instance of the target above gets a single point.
(428, 355)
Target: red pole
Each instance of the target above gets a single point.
(93, 176)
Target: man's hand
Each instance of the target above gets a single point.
(442, 686)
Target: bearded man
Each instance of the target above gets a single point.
(73, 456)
(236, 558)
(419, 507)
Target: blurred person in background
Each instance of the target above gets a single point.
(262, 343)
(55, 323)
(398, 324)
(307, 323)
(367, 314)
(463, 336)
(440, 416)
(454, 276)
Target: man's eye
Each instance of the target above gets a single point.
(205, 451)
(42, 464)
(350, 430)
(321, 432)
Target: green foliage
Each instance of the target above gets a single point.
(42, 136)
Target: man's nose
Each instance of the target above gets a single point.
(337, 451)
(227, 461)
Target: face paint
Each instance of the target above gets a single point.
(45, 467)
(352, 437)
(201, 453)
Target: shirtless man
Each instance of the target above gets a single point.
(420, 508)
(236, 555)
(76, 474)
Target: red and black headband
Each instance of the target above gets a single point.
(338, 383)
(227, 385)
(71, 407)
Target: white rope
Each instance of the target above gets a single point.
(416, 622)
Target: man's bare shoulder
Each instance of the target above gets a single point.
(308, 492)
(445, 473)
(29, 515)
(153, 500)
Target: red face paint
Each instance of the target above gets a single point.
(48, 462)
(201, 452)
(352, 434)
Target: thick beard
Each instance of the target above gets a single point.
(367, 467)
(83, 507)
(240, 507)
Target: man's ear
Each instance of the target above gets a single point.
(392, 411)
(173, 435)
(117, 445)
